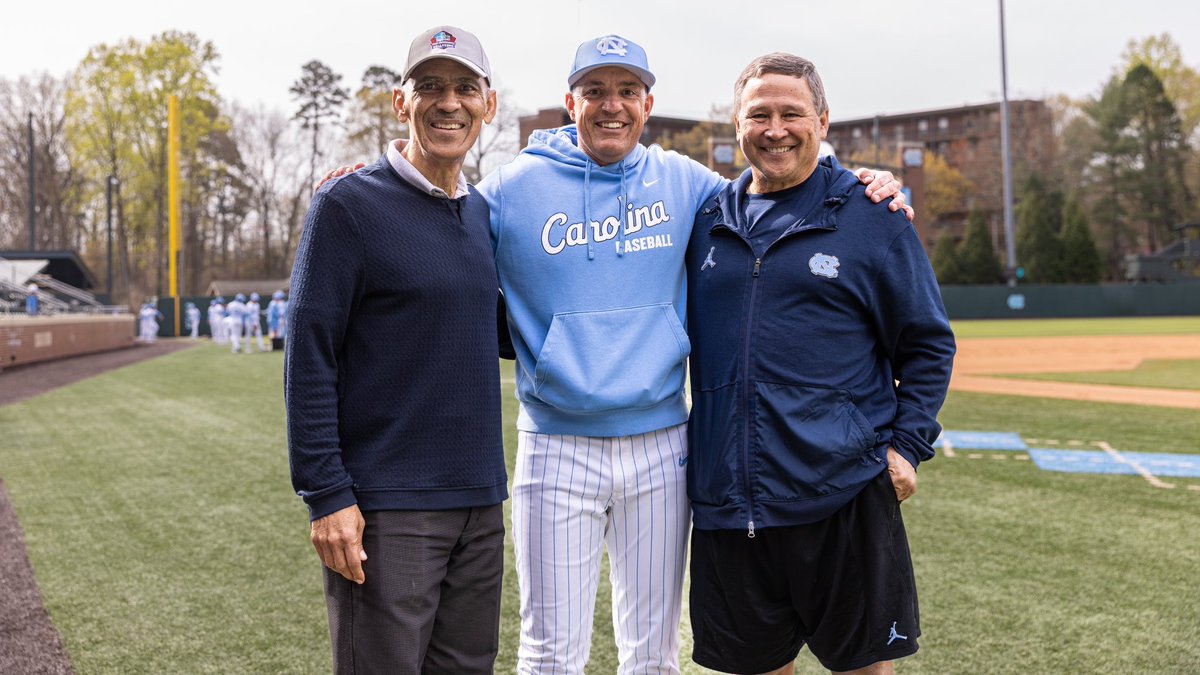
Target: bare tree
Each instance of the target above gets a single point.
(371, 122)
(274, 164)
(58, 201)
(498, 142)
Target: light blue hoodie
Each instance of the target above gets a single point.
(590, 260)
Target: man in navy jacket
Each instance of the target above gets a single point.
(806, 305)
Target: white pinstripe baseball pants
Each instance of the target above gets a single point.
(570, 495)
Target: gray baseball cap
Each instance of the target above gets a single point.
(448, 42)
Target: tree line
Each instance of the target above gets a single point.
(1126, 169)
(246, 172)
(1125, 179)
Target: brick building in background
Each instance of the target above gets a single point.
(966, 137)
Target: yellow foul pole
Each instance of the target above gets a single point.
(173, 201)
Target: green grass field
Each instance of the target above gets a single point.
(1069, 327)
(165, 536)
(1165, 374)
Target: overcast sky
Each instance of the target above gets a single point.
(875, 56)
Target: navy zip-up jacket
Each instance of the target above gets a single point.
(795, 355)
(391, 380)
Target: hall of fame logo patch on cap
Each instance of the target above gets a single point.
(442, 40)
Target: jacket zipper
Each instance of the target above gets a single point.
(746, 397)
(755, 274)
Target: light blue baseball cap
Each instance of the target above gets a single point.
(610, 50)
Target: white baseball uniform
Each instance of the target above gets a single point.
(570, 493)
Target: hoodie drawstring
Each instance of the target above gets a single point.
(587, 205)
(622, 200)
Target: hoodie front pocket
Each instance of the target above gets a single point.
(614, 359)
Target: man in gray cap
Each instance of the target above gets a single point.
(397, 449)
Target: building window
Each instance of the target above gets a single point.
(856, 132)
(943, 123)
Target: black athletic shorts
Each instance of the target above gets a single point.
(843, 585)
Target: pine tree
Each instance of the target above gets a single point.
(1081, 260)
(1111, 156)
(320, 99)
(977, 257)
(1157, 178)
(1039, 249)
(946, 264)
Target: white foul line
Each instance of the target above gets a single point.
(947, 447)
(1142, 471)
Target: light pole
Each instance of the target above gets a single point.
(32, 192)
(1010, 246)
(109, 185)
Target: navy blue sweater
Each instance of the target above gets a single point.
(391, 380)
(795, 353)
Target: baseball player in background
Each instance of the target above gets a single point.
(253, 323)
(148, 323)
(277, 315)
(216, 319)
(235, 317)
(193, 319)
(31, 300)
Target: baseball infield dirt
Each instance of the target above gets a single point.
(981, 357)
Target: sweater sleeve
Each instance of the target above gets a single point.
(326, 281)
(916, 333)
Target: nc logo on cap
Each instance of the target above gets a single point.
(611, 45)
(442, 40)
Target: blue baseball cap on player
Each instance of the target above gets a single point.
(610, 50)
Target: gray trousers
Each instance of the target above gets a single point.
(431, 601)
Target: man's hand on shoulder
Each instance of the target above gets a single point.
(338, 540)
(343, 170)
(881, 185)
(903, 475)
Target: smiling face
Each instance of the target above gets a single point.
(779, 131)
(609, 106)
(445, 105)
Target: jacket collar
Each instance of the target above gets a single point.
(731, 201)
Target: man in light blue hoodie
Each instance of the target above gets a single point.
(589, 229)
